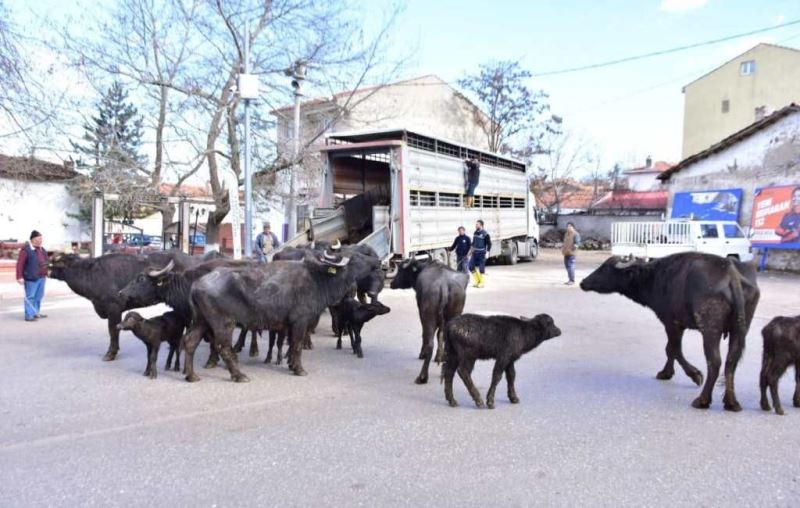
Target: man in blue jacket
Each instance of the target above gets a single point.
(461, 246)
(32, 273)
(481, 245)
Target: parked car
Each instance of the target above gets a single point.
(659, 239)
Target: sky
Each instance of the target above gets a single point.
(629, 110)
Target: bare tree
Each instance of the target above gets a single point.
(562, 158)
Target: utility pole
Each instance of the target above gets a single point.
(297, 73)
(248, 177)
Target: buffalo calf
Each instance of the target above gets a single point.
(781, 349)
(166, 327)
(471, 337)
(350, 316)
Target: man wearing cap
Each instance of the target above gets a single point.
(266, 242)
(572, 240)
(31, 273)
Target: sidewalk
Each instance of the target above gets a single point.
(11, 291)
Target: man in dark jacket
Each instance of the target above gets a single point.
(481, 245)
(461, 246)
(32, 273)
(472, 170)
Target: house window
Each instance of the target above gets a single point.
(726, 105)
(747, 68)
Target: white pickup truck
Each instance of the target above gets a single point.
(659, 239)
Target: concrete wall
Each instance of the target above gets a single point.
(42, 206)
(775, 83)
(598, 226)
(768, 158)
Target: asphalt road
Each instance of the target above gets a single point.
(594, 426)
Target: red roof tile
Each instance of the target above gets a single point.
(631, 200)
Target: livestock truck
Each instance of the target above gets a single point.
(402, 193)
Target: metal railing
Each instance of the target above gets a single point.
(650, 233)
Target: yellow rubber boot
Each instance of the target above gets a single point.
(476, 276)
(481, 279)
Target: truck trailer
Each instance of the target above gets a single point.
(402, 193)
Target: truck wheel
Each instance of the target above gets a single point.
(534, 250)
(513, 256)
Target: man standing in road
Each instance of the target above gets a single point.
(472, 174)
(571, 241)
(266, 242)
(32, 273)
(481, 245)
(461, 246)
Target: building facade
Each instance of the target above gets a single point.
(763, 155)
(741, 91)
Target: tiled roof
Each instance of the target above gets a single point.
(658, 166)
(632, 200)
(31, 169)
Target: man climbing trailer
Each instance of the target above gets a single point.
(472, 174)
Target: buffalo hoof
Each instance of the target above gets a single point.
(779, 411)
(299, 372)
(701, 403)
(452, 403)
(338, 345)
(490, 404)
(360, 354)
(192, 378)
(153, 374)
(210, 364)
(513, 399)
(731, 404)
(421, 380)
(237, 348)
(697, 377)
(664, 375)
(254, 353)
(796, 402)
(177, 368)
(480, 405)
(268, 359)
(110, 356)
(240, 378)
(765, 405)
(439, 358)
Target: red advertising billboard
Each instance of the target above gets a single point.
(776, 217)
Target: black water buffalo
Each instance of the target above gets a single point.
(170, 285)
(350, 314)
(283, 296)
(505, 339)
(781, 349)
(167, 327)
(99, 280)
(441, 293)
(695, 291)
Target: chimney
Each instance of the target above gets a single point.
(648, 162)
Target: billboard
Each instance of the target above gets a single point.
(720, 204)
(776, 216)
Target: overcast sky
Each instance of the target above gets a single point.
(629, 110)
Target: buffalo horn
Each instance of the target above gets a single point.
(625, 263)
(337, 245)
(158, 273)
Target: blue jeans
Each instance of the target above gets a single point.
(569, 263)
(478, 260)
(34, 292)
(470, 190)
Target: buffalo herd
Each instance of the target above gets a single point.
(211, 295)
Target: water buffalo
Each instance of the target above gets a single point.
(350, 314)
(170, 285)
(283, 296)
(441, 293)
(166, 327)
(781, 349)
(99, 280)
(690, 290)
(505, 339)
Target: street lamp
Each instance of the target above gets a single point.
(298, 73)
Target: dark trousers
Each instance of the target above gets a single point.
(478, 260)
(462, 264)
(569, 264)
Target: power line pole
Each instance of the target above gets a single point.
(248, 177)
(298, 73)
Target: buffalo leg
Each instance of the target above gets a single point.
(448, 372)
(222, 334)
(428, 329)
(307, 344)
(213, 355)
(511, 375)
(356, 330)
(152, 360)
(735, 350)
(190, 341)
(254, 343)
(439, 343)
(464, 372)
(168, 365)
(762, 382)
(114, 318)
(297, 336)
(149, 358)
(773, 377)
(241, 340)
(339, 332)
(796, 398)
(497, 376)
(281, 338)
(713, 360)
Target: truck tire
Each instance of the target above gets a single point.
(513, 255)
(534, 249)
